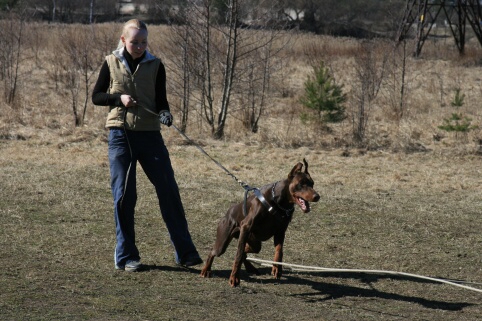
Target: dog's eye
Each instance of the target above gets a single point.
(302, 185)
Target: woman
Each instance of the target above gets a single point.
(132, 82)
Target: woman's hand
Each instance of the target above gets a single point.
(165, 118)
(128, 101)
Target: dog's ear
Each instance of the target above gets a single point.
(306, 165)
(296, 169)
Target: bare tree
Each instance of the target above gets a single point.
(219, 61)
(54, 9)
(254, 87)
(206, 63)
(231, 59)
(91, 11)
(396, 81)
(189, 60)
(11, 42)
(180, 65)
(79, 63)
(371, 63)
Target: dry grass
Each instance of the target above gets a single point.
(384, 206)
(415, 213)
(44, 103)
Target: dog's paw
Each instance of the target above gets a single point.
(277, 272)
(205, 274)
(234, 281)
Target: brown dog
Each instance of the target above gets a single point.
(260, 224)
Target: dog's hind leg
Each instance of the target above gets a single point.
(240, 254)
(227, 230)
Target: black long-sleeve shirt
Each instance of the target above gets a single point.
(102, 98)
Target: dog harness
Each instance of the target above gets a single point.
(258, 195)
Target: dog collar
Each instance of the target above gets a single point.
(287, 212)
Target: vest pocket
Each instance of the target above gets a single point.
(115, 117)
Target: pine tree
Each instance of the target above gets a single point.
(324, 96)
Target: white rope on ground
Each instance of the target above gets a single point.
(304, 268)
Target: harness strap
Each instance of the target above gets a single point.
(258, 195)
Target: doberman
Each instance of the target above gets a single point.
(251, 222)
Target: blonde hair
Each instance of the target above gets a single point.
(133, 23)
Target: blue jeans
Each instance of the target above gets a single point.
(126, 148)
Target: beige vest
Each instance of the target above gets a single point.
(140, 84)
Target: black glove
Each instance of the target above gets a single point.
(165, 118)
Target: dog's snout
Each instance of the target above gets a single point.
(316, 197)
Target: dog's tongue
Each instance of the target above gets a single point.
(305, 206)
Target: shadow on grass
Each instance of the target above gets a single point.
(329, 291)
(169, 268)
(333, 291)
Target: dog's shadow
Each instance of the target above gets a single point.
(329, 291)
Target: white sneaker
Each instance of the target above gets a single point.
(132, 266)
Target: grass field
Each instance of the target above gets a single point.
(415, 213)
(408, 198)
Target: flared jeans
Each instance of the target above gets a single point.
(126, 148)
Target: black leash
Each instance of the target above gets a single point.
(124, 120)
(246, 187)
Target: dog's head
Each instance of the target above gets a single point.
(301, 187)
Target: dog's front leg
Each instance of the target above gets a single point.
(277, 270)
(240, 254)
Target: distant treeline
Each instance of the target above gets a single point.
(355, 18)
